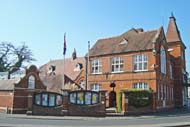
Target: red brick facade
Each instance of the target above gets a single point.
(167, 85)
(6, 98)
(15, 100)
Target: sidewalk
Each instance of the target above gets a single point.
(171, 118)
(170, 113)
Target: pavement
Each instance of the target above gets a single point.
(166, 113)
(163, 114)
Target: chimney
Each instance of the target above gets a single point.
(74, 55)
(140, 30)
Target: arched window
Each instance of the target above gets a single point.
(163, 60)
(31, 82)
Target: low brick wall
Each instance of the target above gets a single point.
(97, 110)
(52, 111)
(139, 110)
(6, 101)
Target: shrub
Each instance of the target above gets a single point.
(140, 98)
(119, 103)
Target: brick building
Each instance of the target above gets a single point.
(73, 70)
(139, 59)
(14, 91)
(180, 76)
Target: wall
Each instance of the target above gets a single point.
(20, 101)
(90, 110)
(126, 79)
(6, 101)
(96, 110)
(54, 111)
(179, 64)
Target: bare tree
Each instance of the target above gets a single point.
(12, 58)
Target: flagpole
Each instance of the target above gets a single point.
(64, 52)
(87, 63)
(63, 72)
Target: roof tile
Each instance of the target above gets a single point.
(136, 40)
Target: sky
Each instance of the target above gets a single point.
(41, 24)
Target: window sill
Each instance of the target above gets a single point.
(117, 72)
(140, 70)
(96, 73)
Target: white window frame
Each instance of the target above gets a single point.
(163, 60)
(140, 62)
(117, 65)
(31, 82)
(96, 66)
(95, 87)
(141, 85)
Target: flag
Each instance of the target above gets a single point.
(64, 45)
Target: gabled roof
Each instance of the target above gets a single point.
(54, 80)
(8, 84)
(17, 78)
(135, 40)
(66, 67)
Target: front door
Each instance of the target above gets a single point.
(112, 99)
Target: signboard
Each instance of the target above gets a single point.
(48, 99)
(84, 97)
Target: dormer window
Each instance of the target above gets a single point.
(52, 68)
(124, 41)
(78, 67)
(31, 82)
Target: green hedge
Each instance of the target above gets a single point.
(139, 98)
(119, 103)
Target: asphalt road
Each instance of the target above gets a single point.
(164, 119)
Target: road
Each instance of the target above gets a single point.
(173, 118)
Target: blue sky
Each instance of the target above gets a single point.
(41, 23)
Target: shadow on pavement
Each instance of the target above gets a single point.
(172, 112)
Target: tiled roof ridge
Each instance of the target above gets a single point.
(132, 29)
(137, 39)
(65, 59)
(106, 38)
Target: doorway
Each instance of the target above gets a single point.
(112, 99)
